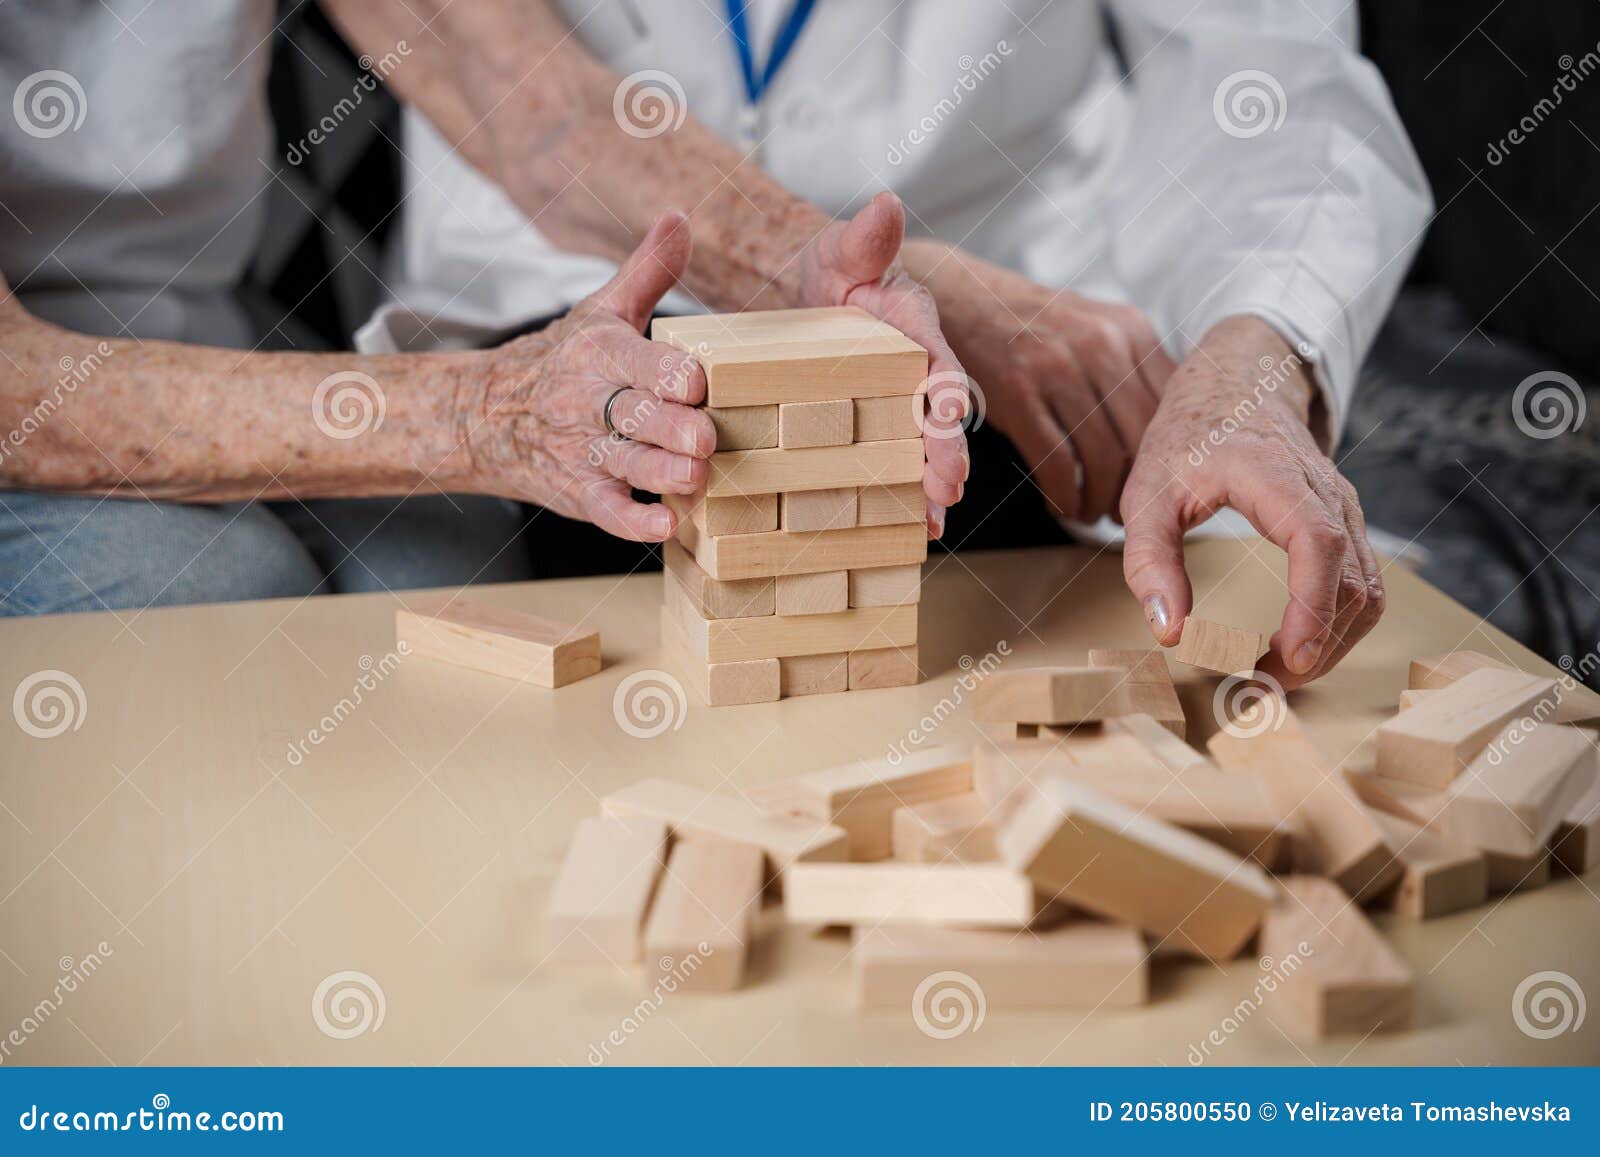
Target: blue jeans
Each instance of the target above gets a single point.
(64, 553)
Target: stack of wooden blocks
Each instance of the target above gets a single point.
(798, 569)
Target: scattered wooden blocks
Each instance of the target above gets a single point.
(1347, 979)
(1432, 743)
(1218, 647)
(1515, 793)
(1439, 876)
(953, 828)
(974, 895)
(598, 904)
(1047, 695)
(1517, 873)
(700, 926)
(1574, 703)
(503, 642)
(1147, 687)
(805, 424)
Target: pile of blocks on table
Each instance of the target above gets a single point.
(798, 569)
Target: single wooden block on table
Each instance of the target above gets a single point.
(1047, 695)
(744, 427)
(823, 593)
(1078, 964)
(598, 904)
(715, 598)
(704, 913)
(737, 514)
(1517, 873)
(1218, 647)
(814, 674)
(806, 424)
(1079, 846)
(877, 668)
(783, 636)
(1576, 845)
(1439, 876)
(743, 556)
(1432, 743)
(1347, 979)
(1517, 790)
(814, 468)
(888, 419)
(886, 586)
(802, 510)
(721, 684)
(975, 895)
(955, 827)
(512, 644)
(891, 505)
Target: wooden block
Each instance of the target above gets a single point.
(1576, 845)
(805, 424)
(1409, 699)
(1146, 685)
(1219, 647)
(704, 914)
(1574, 703)
(713, 598)
(1167, 749)
(737, 514)
(1341, 839)
(768, 325)
(886, 419)
(955, 828)
(861, 797)
(692, 813)
(975, 895)
(743, 556)
(801, 510)
(1432, 743)
(1097, 854)
(1347, 979)
(782, 636)
(1397, 797)
(1517, 873)
(885, 586)
(882, 667)
(815, 468)
(1439, 876)
(503, 642)
(721, 684)
(891, 505)
(814, 674)
(1515, 793)
(1145, 666)
(1078, 964)
(598, 904)
(824, 593)
(1047, 695)
(744, 427)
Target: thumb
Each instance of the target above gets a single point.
(1152, 564)
(649, 272)
(870, 241)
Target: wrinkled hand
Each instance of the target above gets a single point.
(533, 423)
(1071, 381)
(1233, 431)
(854, 263)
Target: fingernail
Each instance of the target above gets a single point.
(1157, 615)
(660, 523)
(1307, 657)
(938, 524)
(966, 466)
(683, 470)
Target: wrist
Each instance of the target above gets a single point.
(1246, 357)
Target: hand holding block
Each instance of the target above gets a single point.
(1220, 648)
(597, 907)
(1440, 875)
(1047, 695)
(502, 642)
(1348, 979)
(700, 927)
(1432, 743)
(976, 895)
(1516, 792)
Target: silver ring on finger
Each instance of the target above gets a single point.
(605, 414)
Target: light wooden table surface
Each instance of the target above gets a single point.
(415, 843)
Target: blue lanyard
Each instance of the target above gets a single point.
(756, 86)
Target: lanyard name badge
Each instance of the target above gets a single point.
(752, 124)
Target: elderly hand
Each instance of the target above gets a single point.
(1232, 430)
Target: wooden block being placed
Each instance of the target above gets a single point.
(700, 925)
(1078, 964)
(598, 904)
(1079, 846)
(975, 895)
(805, 424)
(714, 599)
(1517, 873)
(886, 419)
(738, 514)
(1341, 840)
(1518, 789)
(721, 684)
(1219, 647)
(1576, 845)
(882, 667)
(1347, 979)
(801, 510)
(885, 586)
(824, 593)
(745, 427)
(814, 674)
(744, 556)
(692, 813)
(503, 642)
(1432, 743)
(781, 636)
(954, 828)
(891, 505)
(816, 468)
(1047, 695)
(1439, 876)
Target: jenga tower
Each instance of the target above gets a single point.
(798, 569)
